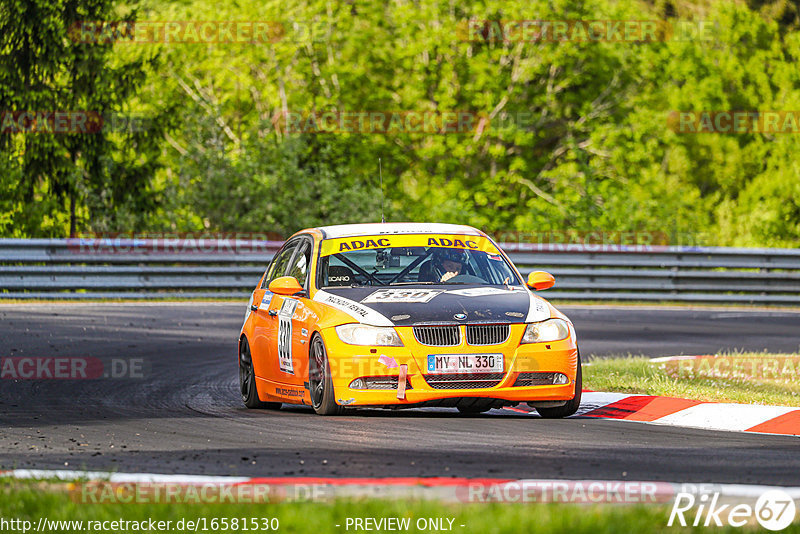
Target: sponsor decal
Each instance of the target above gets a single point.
(479, 291)
(347, 304)
(388, 361)
(352, 308)
(285, 335)
(402, 295)
(400, 317)
(538, 310)
(343, 402)
(289, 392)
(265, 301)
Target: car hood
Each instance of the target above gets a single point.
(436, 304)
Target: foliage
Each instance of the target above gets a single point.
(577, 136)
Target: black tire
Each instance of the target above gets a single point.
(319, 379)
(247, 380)
(572, 405)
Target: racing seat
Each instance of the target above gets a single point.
(427, 272)
(339, 275)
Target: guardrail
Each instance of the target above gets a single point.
(145, 269)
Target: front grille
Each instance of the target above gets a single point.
(438, 336)
(534, 379)
(383, 382)
(487, 334)
(464, 380)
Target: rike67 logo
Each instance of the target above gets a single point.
(774, 510)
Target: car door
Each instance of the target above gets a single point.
(298, 318)
(265, 321)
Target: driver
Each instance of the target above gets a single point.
(449, 261)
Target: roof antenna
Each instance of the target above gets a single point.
(380, 172)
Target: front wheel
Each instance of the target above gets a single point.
(247, 380)
(572, 405)
(319, 380)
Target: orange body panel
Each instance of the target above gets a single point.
(279, 380)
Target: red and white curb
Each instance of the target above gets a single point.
(688, 413)
(89, 486)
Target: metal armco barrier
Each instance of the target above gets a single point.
(146, 269)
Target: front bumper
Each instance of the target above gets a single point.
(349, 362)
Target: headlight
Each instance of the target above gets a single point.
(362, 334)
(549, 330)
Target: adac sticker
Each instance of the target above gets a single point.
(349, 244)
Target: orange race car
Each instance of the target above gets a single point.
(402, 315)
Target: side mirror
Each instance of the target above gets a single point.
(285, 285)
(540, 280)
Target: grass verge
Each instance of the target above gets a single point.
(751, 378)
(30, 501)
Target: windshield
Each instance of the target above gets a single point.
(415, 265)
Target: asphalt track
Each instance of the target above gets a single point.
(185, 416)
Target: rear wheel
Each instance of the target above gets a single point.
(572, 405)
(247, 380)
(319, 380)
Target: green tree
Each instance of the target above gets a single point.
(64, 181)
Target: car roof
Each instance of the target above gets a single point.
(354, 230)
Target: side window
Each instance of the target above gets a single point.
(299, 268)
(279, 263)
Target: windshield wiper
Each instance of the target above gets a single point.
(410, 283)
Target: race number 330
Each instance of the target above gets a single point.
(285, 335)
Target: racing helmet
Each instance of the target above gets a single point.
(450, 254)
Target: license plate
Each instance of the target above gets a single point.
(465, 363)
